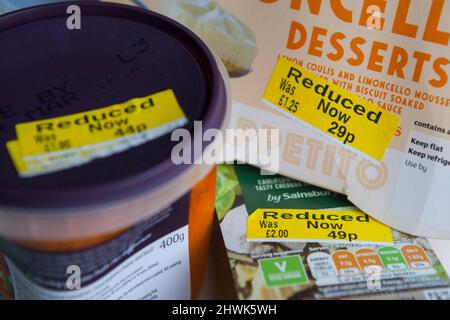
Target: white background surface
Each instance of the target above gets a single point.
(442, 249)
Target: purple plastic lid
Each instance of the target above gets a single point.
(121, 52)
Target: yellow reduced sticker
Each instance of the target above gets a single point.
(317, 103)
(55, 144)
(284, 225)
(44, 137)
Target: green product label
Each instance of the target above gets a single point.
(392, 259)
(283, 272)
(274, 191)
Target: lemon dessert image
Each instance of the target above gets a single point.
(231, 39)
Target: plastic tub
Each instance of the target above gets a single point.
(12, 5)
(129, 225)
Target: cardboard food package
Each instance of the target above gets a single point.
(394, 54)
(280, 267)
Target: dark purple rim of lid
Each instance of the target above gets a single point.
(110, 192)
